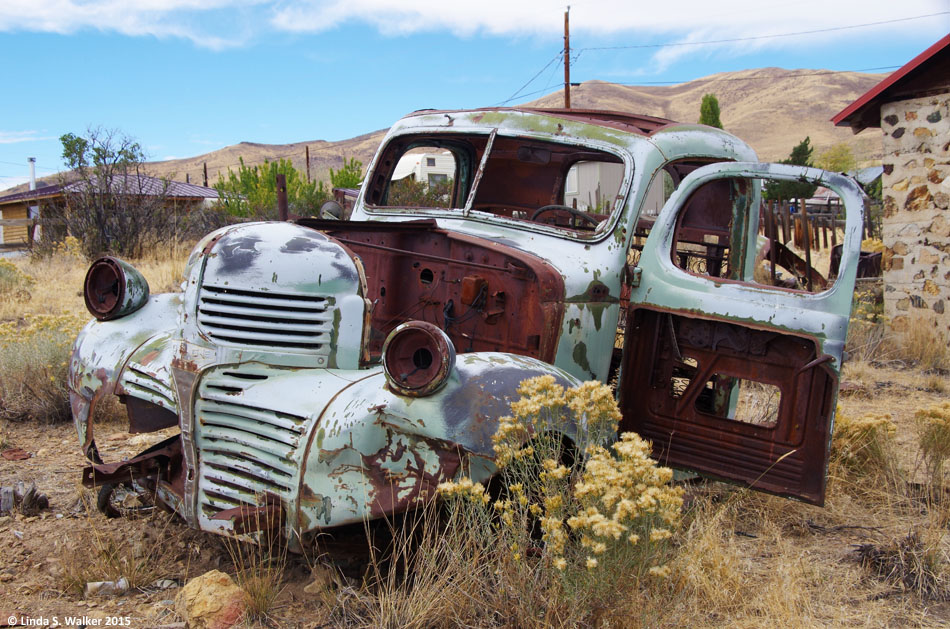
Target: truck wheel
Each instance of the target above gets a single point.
(125, 500)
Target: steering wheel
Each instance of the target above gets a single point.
(564, 208)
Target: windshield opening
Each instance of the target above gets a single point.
(568, 186)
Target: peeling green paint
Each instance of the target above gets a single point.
(580, 357)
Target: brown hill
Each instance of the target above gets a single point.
(323, 156)
(770, 108)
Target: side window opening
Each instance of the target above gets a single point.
(424, 176)
(726, 231)
(425, 172)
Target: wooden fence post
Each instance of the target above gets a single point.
(804, 213)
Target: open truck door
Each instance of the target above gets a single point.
(729, 377)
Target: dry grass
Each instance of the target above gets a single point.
(40, 314)
(97, 550)
(425, 574)
(875, 555)
(921, 344)
(259, 570)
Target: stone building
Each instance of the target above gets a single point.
(912, 108)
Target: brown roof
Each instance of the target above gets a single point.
(928, 72)
(121, 184)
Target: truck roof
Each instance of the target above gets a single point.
(631, 123)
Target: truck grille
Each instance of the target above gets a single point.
(245, 451)
(264, 319)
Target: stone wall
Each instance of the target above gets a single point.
(916, 188)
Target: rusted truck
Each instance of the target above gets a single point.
(326, 372)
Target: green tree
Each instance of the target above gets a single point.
(838, 159)
(349, 176)
(709, 111)
(110, 204)
(784, 190)
(251, 192)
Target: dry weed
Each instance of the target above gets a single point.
(739, 541)
(920, 343)
(97, 550)
(917, 564)
(427, 575)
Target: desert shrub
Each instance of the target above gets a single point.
(568, 545)
(863, 446)
(868, 330)
(14, 283)
(34, 353)
(933, 436)
(916, 564)
(252, 191)
(202, 220)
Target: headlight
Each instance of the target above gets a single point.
(417, 358)
(113, 289)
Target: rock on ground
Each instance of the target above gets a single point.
(211, 601)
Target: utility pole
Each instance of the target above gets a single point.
(567, 58)
(34, 210)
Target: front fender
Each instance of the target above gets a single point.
(102, 350)
(336, 446)
(374, 452)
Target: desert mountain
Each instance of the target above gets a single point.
(770, 108)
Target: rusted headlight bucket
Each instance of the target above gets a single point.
(417, 358)
(113, 289)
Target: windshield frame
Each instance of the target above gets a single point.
(423, 133)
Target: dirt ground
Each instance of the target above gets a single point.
(811, 548)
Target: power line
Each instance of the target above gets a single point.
(757, 78)
(546, 66)
(775, 36)
(52, 170)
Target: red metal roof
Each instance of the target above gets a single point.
(864, 112)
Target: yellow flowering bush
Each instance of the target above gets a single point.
(872, 245)
(69, 247)
(582, 523)
(34, 353)
(863, 445)
(627, 509)
(933, 434)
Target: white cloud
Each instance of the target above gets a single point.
(14, 137)
(158, 18)
(719, 20)
(220, 24)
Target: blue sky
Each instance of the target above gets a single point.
(185, 77)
